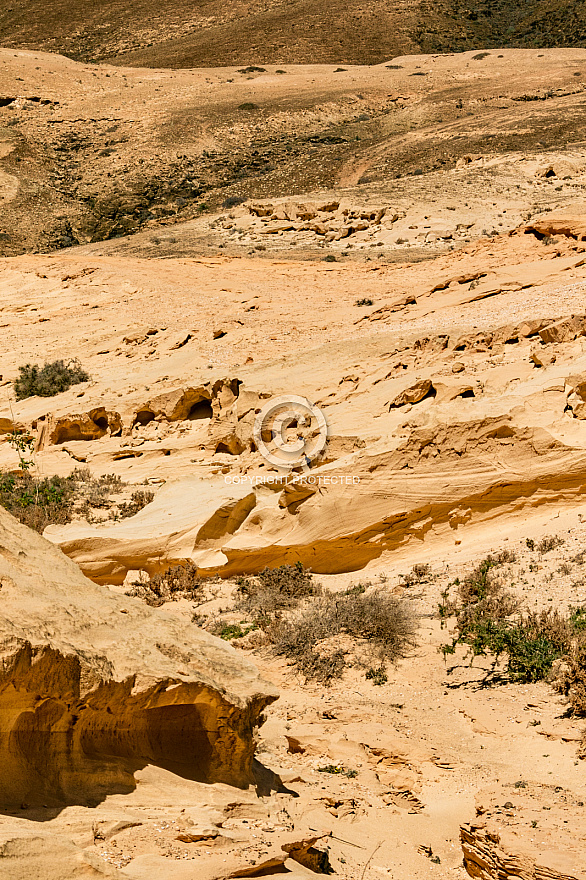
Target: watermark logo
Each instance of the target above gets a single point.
(290, 432)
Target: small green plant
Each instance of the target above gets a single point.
(578, 618)
(330, 258)
(530, 543)
(47, 381)
(488, 621)
(23, 444)
(378, 676)
(338, 770)
(364, 302)
(35, 502)
(235, 630)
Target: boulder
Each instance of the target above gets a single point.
(414, 393)
(565, 330)
(569, 225)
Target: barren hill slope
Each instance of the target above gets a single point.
(93, 153)
(212, 34)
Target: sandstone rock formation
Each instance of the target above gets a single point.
(486, 858)
(95, 686)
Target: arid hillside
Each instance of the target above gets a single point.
(93, 153)
(211, 34)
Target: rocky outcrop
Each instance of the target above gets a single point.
(94, 686)
(569, 225)
(331, 221)
(86, 426)
(423, 388)
(233, 525)
(486, 858)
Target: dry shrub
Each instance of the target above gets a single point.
(570, 678)
(39, 502)
(276, 589)
(549, 542)
(139, 499)
(177, 582)
(384, 625)
(480, 595)
(482, 583)
(420, 573)
(570, 675)
(95, 493)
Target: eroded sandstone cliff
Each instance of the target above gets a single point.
(95, 686)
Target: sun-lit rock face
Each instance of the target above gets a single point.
(487, 855)
(95, 686)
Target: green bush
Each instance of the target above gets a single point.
(377, 676)
(49, 380)
(36, 502)
(338, 770)
(229, 631)
(489, 621)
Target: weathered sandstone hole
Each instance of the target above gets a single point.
(87, 426)
(65, 748)
(232, 446)
(143, 417)
(188, 403)
(201, 410)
